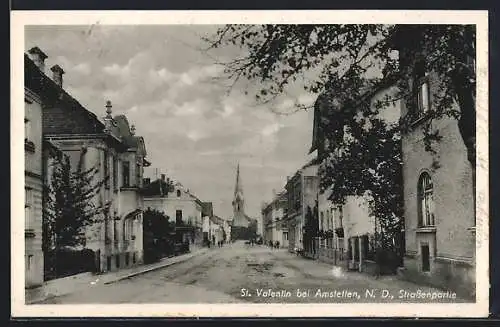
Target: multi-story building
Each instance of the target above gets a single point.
(347, 231)
(207, 213)
(33, 174)
(180, 205)
(217, 233)
(438, 185)
(116, 236)
(274, 220)
(302, 195)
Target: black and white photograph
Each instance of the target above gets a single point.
(241, 165)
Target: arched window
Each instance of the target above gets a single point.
(425, 200)
(178, 193)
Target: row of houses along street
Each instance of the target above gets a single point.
(371, 208)
(106, 159)
(435, 241)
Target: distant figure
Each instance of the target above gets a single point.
(270, 244)
(277, 244)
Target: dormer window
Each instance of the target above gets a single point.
(178, 193)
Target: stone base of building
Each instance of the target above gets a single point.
(451, 275)
(121, 260)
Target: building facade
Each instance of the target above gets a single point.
(274, 220)
(438, 188)
(181, 206)
(33, 174)
(116, 236)
(347, 230)
(302, 194)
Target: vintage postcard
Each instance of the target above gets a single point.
(250, 164)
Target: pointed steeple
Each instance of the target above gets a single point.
(238, 188)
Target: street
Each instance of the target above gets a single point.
(239, 273)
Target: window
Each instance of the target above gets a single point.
(178, 217)
(115, 173)
(178, 193)
(138, 175)
(285, 236)
(425, 255)
(106, 168)
(28, 207)
(115, 231)
(425, 201)
(322, 221)
(125, 174)
(341, 217)
(421, 83)
(423, 96)
(27, 129)
(29, 264)
(128, 229)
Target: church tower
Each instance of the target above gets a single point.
(239, 217)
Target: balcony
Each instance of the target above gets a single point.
(426, 229)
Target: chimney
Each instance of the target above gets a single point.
(38, 57)
(57, 75)
(108, 119)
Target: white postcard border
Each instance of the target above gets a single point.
(19, 19)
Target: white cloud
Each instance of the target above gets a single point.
(117, 70)
(83, 68)
(193, 130)
(271, 129)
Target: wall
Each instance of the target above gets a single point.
(357, 219)
(452, 244)
(33, 189)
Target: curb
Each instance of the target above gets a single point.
(138, 273)
(48, 296)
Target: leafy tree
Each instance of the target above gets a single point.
(342, 63)
(158, 187)
(69, 206)
(158, 223)
(158, 233)
(311, 227)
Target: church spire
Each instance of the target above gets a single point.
(238, 188)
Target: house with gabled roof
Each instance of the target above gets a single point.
(110, 146)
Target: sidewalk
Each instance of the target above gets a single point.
(71, 284)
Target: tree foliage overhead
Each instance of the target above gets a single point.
(344, 63)
(69, 203)
(342, 59)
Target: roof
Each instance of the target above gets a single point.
(122, 130)
(156, 188)
(324, 102)
(52, 93)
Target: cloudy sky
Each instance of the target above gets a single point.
(195, 130)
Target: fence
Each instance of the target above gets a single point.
(67, 262)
